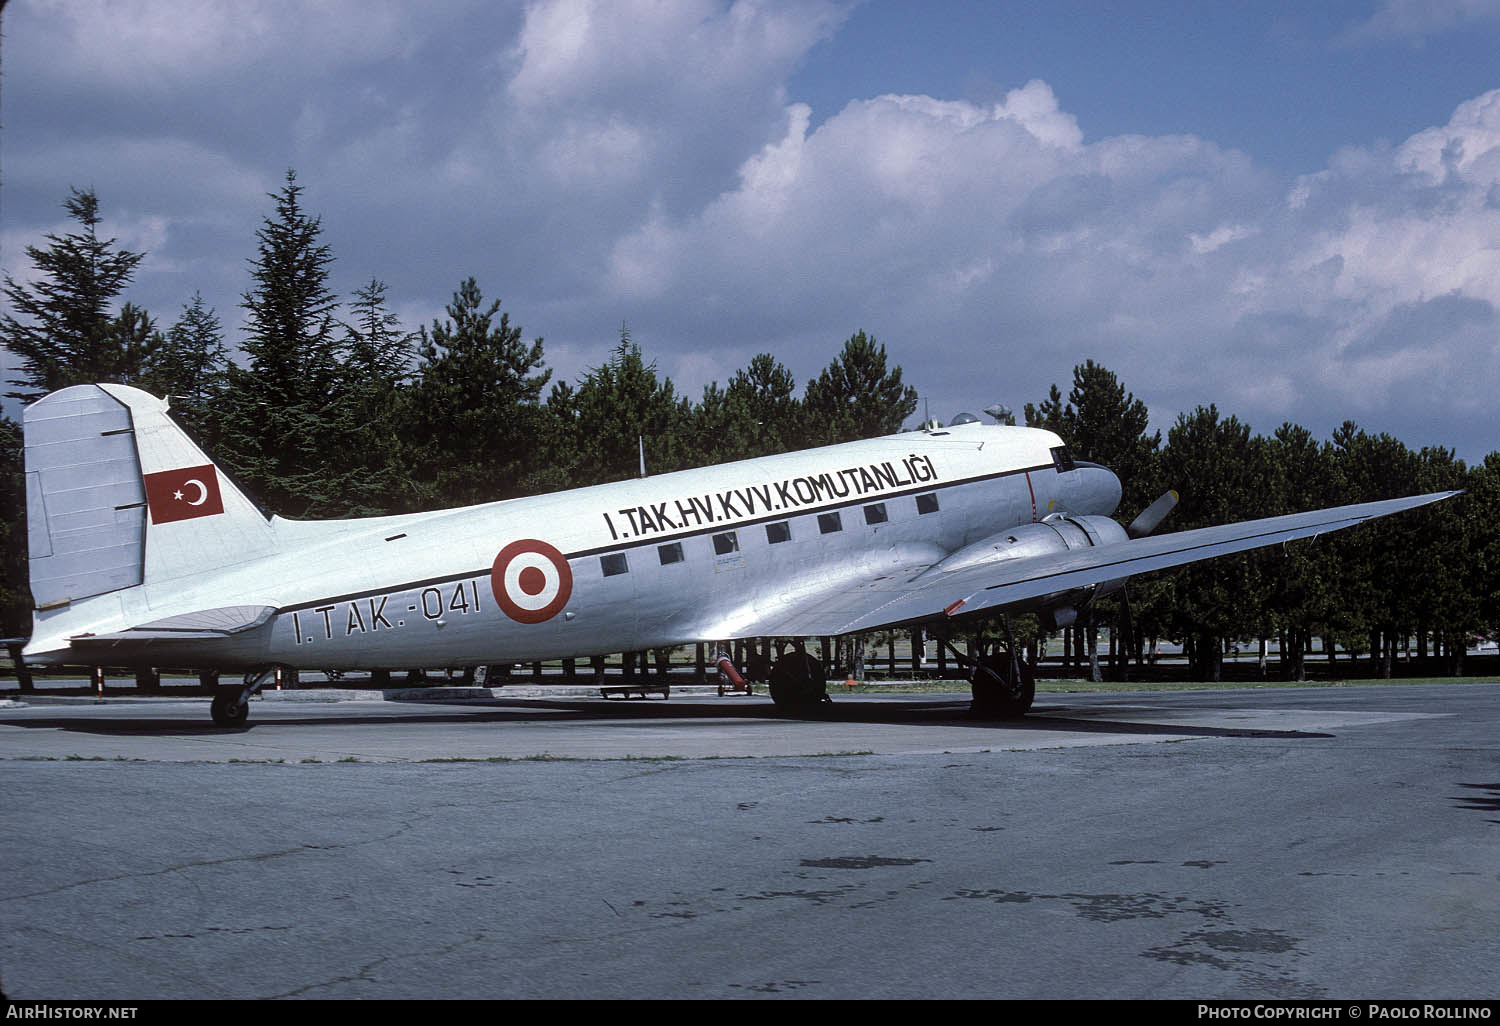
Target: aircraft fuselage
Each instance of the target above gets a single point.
(689, 556)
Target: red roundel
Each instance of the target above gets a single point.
(531, 581)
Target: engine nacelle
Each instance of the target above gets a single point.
(1056, 534)
(1060, 532)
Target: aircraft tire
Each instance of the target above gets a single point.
(798, 682)
(997, 697)
(229, 711)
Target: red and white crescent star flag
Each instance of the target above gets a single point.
(183, 494)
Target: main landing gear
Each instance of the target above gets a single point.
(231, 703)
(798, 680)
(1000, 683)
(1002, 687)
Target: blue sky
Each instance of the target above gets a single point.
(1290, 210)
(1286, 82)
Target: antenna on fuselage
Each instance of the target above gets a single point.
(1001, 413)
(641, 440)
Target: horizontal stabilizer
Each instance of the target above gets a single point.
(228, 620)
(196, 626)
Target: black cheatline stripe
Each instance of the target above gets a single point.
(801, 511)
(374, 592)
(663, 539)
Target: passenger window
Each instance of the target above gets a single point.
(829, 523)
(726, 543)
(876, 514)
(778, 532)
(614, 564)
(670, 553)
(927, 503)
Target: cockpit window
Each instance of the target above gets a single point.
(1062, 459)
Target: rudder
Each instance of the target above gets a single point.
(85, 499)
(118, 496)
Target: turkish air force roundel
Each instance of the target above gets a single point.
(183, 494)
(531, 581)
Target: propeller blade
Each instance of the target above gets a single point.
(1152, 516)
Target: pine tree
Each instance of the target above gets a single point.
(1103, 423)
(855, 397)
(281, 413)
(371, 455)
(757, 414)
(190, 364)
(621, 409)
(1223, 476)
(65, 334)
(1049, 414)
(15, 592)
(377, 347)
(475, 403)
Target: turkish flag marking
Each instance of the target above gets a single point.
(183, 494)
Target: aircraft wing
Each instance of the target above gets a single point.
(925, 594)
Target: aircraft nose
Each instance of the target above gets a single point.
(1099, 488)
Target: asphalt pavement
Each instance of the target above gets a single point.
(1287, 843)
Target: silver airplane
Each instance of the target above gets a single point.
(143, 553)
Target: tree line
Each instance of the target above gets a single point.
(335, 409)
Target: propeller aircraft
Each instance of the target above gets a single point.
(144, 553)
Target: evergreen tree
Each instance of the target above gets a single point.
(855, 397)
(1446, 594)
(1103, 423)
(190, 365)
(377, 347)
(15, 590)
(1299, 579)
(1049, 414)
(65, 334)
(1222, 476)
(620, 409)
(374, 414)
(1378, 567)
(280, 417)
(1481, 514)
(475, 403)
(130, 339)
(757, 414)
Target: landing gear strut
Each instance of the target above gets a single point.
(1002, 686)
(231, 704)
(798, 680)
(1001, 683)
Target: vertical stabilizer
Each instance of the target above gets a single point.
(117, 495)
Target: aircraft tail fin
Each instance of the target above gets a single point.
(117, 496)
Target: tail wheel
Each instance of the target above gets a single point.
(798, 681)
(1003, 687)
